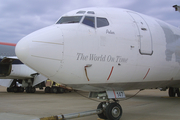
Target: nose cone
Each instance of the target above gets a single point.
(22, 50)
(39, 50)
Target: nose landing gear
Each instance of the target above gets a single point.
(111, 111)
(106, 110)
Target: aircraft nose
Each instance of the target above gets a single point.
(38, 50)
(22, 49)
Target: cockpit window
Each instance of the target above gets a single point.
(69, 19)
(90, 12)
(101, 22)
(90, 21)
(81, 12)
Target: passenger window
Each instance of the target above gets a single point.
(101, 22)
(89, 21)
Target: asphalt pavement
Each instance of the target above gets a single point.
(147, 105)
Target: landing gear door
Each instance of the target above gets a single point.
(144, 34)
(115, 94)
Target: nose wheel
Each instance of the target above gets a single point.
(111, 111)
(102, 106)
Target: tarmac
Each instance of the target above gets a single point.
(147, 105)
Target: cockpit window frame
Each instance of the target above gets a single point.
(82, 18)
(96, 21)
(88, 23)
(81, 12)
(103, 24)
(70, 22)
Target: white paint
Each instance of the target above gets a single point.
(65, 63)
(5, 82)
(115, 94)
(21, 71)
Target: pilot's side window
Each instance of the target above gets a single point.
(90, 21)
(101, 22)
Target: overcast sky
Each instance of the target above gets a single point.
(21, 17)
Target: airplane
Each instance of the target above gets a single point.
(106, 51)
(14, 74)
(177, 7)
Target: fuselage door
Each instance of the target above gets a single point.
(144, 34)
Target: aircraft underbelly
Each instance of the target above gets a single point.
(126, 85)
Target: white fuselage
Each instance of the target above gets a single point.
(133, 51)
